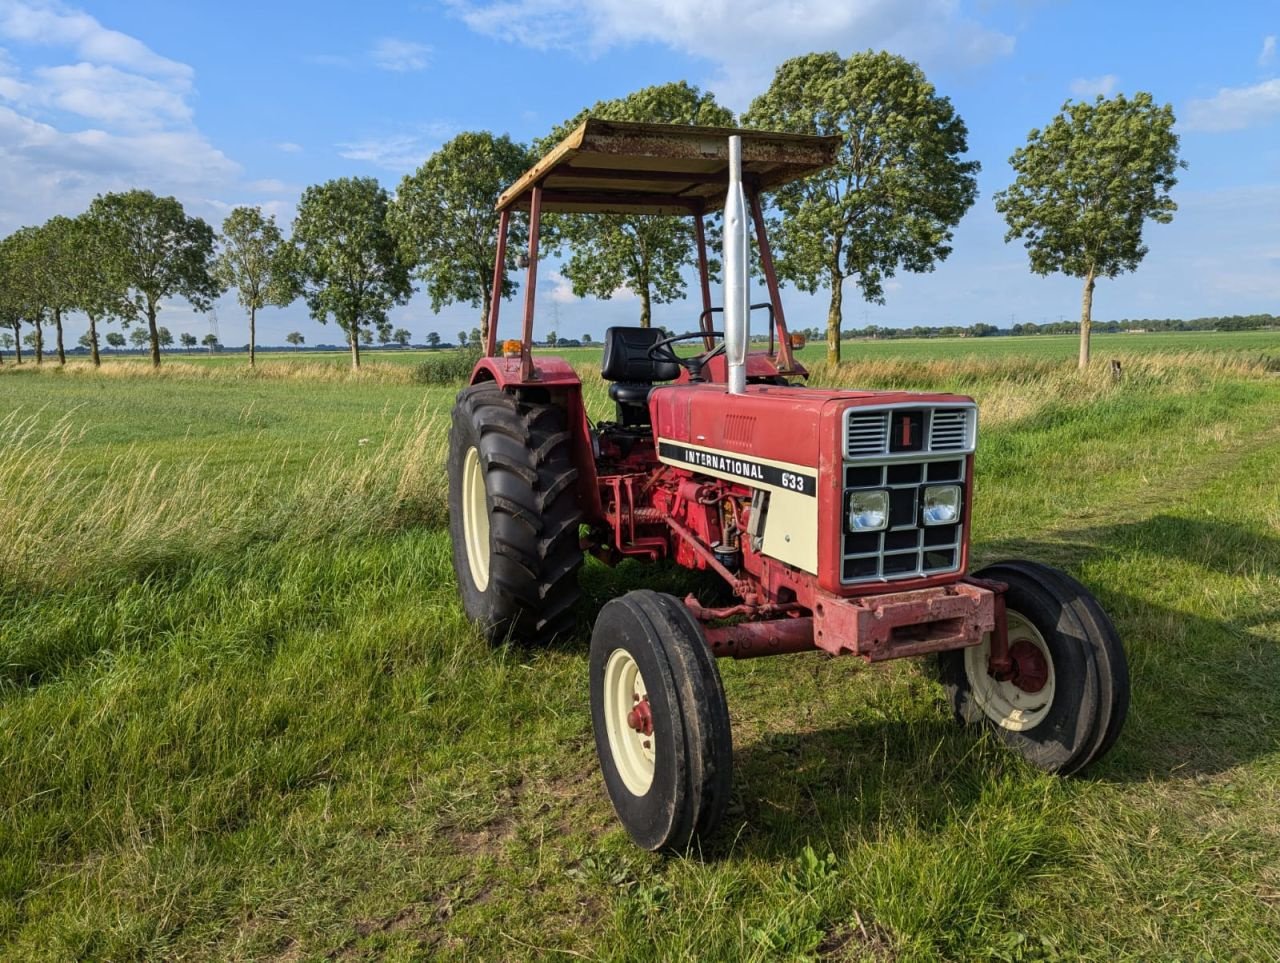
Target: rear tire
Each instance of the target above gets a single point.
(513, 515)
(1067, 704)
(668, 771)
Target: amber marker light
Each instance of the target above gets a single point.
(511, 348)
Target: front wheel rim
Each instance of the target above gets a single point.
(626, 700)
(475, 519)
(1005, 703)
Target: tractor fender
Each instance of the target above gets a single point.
(553, 380)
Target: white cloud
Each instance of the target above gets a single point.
(289, 147)
(110, 96)
(97, 111)
(746, 40)
(1235, 108)
(52, 24)
(1268, 53)
(561, 289)
(44, 170)
(400, 55)
(1094, 86)
(403, 151)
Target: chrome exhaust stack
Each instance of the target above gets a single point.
(737, 313)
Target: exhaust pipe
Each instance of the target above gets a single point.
(736, 311)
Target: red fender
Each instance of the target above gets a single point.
(557, 377)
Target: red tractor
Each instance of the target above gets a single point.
(839, 519)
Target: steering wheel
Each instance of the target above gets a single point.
(661, 351)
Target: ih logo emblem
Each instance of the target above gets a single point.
(906, 431)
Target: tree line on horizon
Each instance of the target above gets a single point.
(1085, 187)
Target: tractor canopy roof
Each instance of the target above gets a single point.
(616, 167)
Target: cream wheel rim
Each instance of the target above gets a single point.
(631, 748)
(475, 519)
(1005, 703)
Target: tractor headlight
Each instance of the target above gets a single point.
(868, 511)
(941, 505)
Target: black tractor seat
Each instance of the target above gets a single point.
(627, 364)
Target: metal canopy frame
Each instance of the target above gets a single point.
(616, 167)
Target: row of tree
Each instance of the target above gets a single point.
(1085, 187)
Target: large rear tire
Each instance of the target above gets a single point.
(661, 722)
(1069, 696)
(513, 515)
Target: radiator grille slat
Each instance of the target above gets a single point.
(945, 429)
(949, 429)
(868, 434)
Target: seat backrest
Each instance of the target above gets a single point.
(626, 357)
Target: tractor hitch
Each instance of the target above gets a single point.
(880, 627)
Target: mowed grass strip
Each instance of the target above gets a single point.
(245, 718)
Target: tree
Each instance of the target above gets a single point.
(25, 282)
(433, 339)
(552, 339)
(165, 337)
(444, 216)
(11, 298)
(586, 339)
(188, 340)
(462, 339)
(366, 336)
(294, 338)
(6, 341)
(1085, 187)
(96, 292)
(402, 337)
(643, 254)
(256, 261)
(384, 334)
(347, 256)
(56, 254)
(210, 341)
(898, 186)
(139, 338)
(156, 252)
(115, 340)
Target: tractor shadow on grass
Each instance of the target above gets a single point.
(1205, 685)
(1205, 695)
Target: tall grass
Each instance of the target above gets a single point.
(64, 523)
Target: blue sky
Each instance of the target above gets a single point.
(248, 103)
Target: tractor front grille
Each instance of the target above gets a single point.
(904, 449)
(906, 548)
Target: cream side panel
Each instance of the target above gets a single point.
(791, 529)
(791, 526)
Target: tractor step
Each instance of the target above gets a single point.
(904, 623)
(876, 628)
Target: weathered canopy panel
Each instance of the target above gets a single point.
(616, 167)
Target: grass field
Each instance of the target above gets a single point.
(244, 718)
(1040, 347)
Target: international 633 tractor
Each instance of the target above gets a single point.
(839, 519)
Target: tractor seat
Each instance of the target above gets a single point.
(627, 364)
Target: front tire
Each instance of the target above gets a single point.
(661, 722)
(1066, 703)
(513, 515)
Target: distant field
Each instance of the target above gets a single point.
(244, 718)
(1039, 346)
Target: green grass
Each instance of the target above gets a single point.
(1039, 347)
(244, 717)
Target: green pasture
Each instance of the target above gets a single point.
(1045, 347)
(244, 718)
